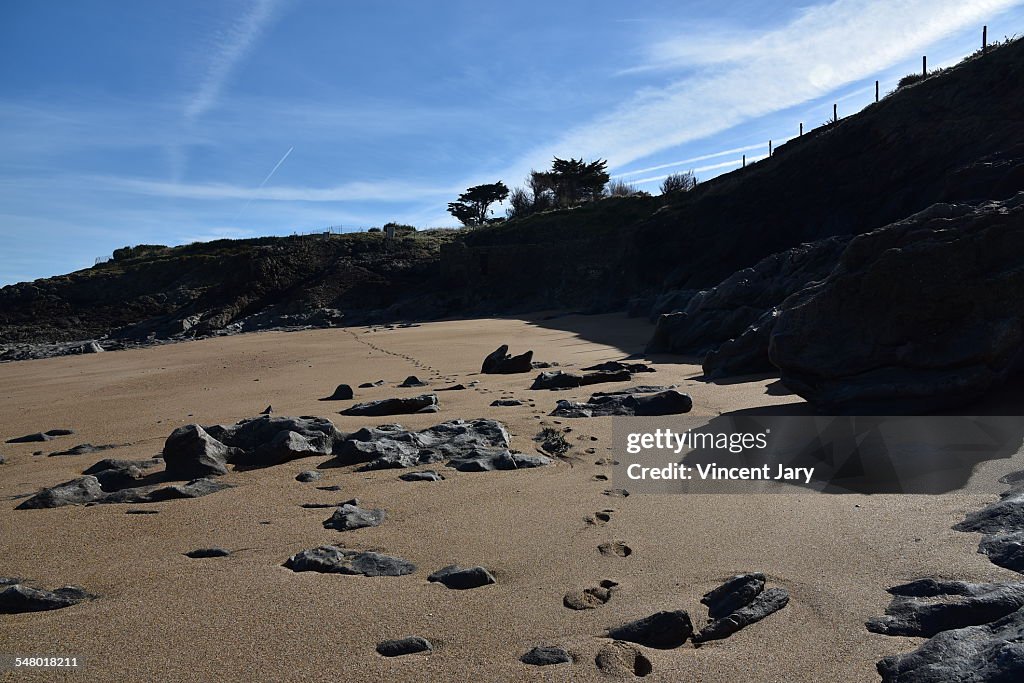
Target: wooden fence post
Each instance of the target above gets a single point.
(984, 39)
(924, 65)
(876, 91)
(744, 161)
(835, 113)
(769, 148)
(801, 128)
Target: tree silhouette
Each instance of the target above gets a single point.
(474, 204)
(571, 181)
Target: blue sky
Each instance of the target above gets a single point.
(127, 122)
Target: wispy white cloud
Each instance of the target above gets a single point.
(824, 48)
(231, 48)
(369, 191)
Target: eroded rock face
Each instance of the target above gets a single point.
(706, 320)
(88, 490)
(668, 402)
(500, 362)
(393, 406)
(491, 459)
(920, 315)
(75, 492)
(270, 440)
(329, 559)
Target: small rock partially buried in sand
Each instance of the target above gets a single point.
(404, 646)
(309, 476)
(16, 597)
(42, 436)
(203, 553)
(459, 578)
(546, 656)
(350, 516)
(669, 402)
(424, 475)
(329, 559)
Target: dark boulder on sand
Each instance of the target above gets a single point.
(668, 402)
(928, 606)
(350, 516)
(500, 362)
(392, 406)
(191, 453)
(662, 630)
(920, 315)
(559, 379)
(342, 392)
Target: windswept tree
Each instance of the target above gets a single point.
(572, 181)
(679, 182)
(474, 204)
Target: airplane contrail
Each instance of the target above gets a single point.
(269, 176)
(276, 166)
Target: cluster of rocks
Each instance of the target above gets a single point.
(612, 371)
(974, 629)
(469, 446)
(16, 597)
(640, 401)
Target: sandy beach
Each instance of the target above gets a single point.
(160, 615)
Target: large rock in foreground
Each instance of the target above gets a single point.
(920, 315)
(992, 653)
(670, 402)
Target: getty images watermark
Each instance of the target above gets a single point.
(776, 454)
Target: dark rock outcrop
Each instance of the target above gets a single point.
(404, 646)
(662, 630)
(393, 406)
(75, 492)
(618, 366)
(392, 446)
(500, 362)
(412, 381)
(329, 559)
(669, 402)
(86, 448)
(506, 403)
(989, 653)
(309, 476)
(714, 316)
(917, 316)
(559, 379)
(191, 453)
(462, 578)
(270, 440)
(928, 606)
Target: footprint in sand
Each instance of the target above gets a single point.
(590, 598)
(600, 518)
(615, 548)
(616, 493)
(621, 659)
